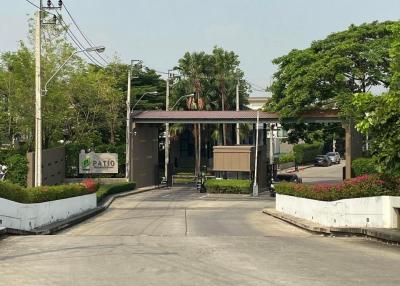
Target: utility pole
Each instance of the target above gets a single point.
(271, 145)
(128, 127)
(255, 184)
(38, 99)
(166, 144)
(38, 86)
(128, 120)
(237, 109)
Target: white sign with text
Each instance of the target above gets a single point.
(98, 163)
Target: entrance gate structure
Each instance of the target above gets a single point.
(143, 141)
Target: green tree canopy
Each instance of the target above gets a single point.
(379, 116)
(327, 72)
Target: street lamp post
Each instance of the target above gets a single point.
(38, 103)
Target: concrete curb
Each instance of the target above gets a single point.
(301, 168)
(73, 220)
(389, 235)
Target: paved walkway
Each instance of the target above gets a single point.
(180, 237)
(331, 174)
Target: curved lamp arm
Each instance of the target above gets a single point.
(146, 93)
(98, 49)
(182, 97)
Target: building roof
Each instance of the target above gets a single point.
(243, 116)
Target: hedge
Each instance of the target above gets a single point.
(362, 166)
(306, 153)
(17, 169)
(286, 158)
(106, 190)
(41, 194)
(363, 186)
(228, 186)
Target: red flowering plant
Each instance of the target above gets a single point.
(90, 185)
(363, 186)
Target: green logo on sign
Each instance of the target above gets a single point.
(86, 164)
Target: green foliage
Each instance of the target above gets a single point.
(17, 169)
(19, 194)
(342, 64)
(363, 166)
(228, 186)
(305, 153)
(378, 116)
(364, 186)
(286, 158)
(14, 192)
(106, 190)
(52, 193)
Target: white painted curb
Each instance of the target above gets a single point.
(377, 212)
(30, 216)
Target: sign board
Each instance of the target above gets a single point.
(98, 163)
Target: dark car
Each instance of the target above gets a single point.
(287, 178)
(322, 160)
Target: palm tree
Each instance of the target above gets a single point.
(225, 66)
(195, 67)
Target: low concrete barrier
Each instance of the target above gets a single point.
(377, 212)
(27, 217)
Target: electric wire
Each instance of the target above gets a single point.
(90, 43)
(77, 42)
(69, 33)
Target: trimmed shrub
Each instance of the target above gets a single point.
(362, 166)
(106, 190)
(91, 185)
(363, 186)
(17, 169)
(306, 153)
(286, 158)
(41, 194)
(13, 192)
(228, 186)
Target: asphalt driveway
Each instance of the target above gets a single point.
(180, 237)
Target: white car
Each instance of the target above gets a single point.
(334, 157)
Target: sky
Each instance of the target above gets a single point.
(159, 32)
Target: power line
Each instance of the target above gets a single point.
(69, 33)
(76, 41)
(90, 43)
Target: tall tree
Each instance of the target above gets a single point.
(344, 63)
(379, 116)
(195, 67)
(329, 72)
(225, 68)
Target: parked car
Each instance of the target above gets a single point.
(322, 160)
(334, 157)
(287, 178)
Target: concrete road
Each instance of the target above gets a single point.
(331, 174)
(179, 237)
